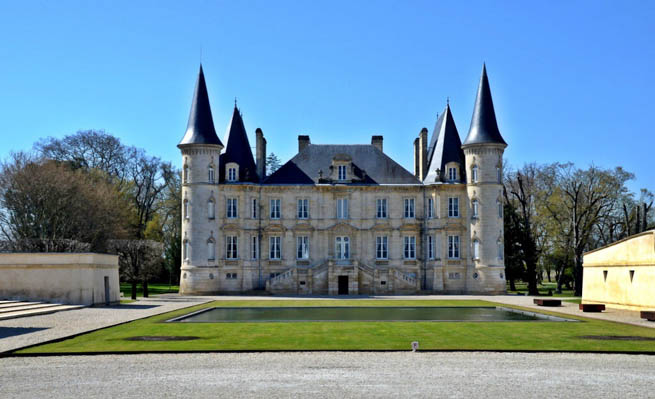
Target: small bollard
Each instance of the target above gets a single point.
(414, 346)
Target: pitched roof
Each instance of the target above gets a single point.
(238, 149)
(445, 147)
(200, 129)
(370, 164)
(484, 128)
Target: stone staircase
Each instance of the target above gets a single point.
(15, 309)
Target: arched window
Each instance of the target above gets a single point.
(499, 174)
(476, 249)
(186, 209)
(211, 250)
(186, 250)
(474, 174)
(474, 208)
(211, 174)
(500, 208)
(211, 209)
(185, 176)
(500, 250)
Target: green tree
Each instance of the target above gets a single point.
(272, 163)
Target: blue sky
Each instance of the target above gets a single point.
(571, 80)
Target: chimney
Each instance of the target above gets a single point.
(303, 141)
(417, 169)
(423, 153)
(260, 153)
(376, 141)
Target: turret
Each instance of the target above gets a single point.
(200, 149)
(483, 151)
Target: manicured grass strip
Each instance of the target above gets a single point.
(528, 336)
(153, 289)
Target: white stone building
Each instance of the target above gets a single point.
(343, 219)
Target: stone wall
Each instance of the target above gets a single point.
(63, 278)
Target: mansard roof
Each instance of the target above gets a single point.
(370, 165)
(445, 147)
(238, 150)
(484, 128)
(200, 129)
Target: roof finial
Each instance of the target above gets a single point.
(447, 100)
(235, 102)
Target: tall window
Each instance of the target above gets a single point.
(186, 209)
(211, 250)
(253, 208)
(499, 174)
(500, 209)
(342, 208)
(186, 174)
(474, 174)
(302, 247)
(211, 209)
(409, 207)
(343, 247)
(275, 208)
(186, 250)
(232, 174)
(430, 247)
(452, 174)
(453, 247)
(381, 249)
(430, 208)
(342, 172)
(474, 208)
(409, 250)
(476, 249)
(500, 250)
(211, 174)
(254, 247)
(303, 208)
(453, 207)
(231, 247)
(381, 206)
(274, 247)
(232, 208)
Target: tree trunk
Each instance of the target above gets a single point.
(134, 290)
(145, 288)
(512, 284)
(578, 274)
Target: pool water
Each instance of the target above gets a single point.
(303, 314)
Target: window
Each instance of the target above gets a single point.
(253, 208)
(187, 249)
(303, 208)
(274, 247)
(409, 251)
(476, 249)
(230, 276)
(254, 247)
(211, 250)
(381, 249)
(474, 209)
(500, 209)
(232, 174)
(211, 213)
(275, 208)
(302, 247)
(342, 208)
(453, 247)
(343, 247)
(342, 172)
(500, 250)
(186, 174)
(211, 174)
(381, 206)
(474, 174)
(453, 207)
(454, 276)
(430, 208)
(232, 208)
(430, 247)
(231, 247)
(186, 209)
(409, 207)
(452, 174)
(499, 174)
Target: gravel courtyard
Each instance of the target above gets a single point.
(331, 375)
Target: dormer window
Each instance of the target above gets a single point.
(232, 174)
(452, 173)
(342, 172)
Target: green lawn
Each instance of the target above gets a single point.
(542, 336)
(544, 288)
(153, 289)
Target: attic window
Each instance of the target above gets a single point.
(342, 172)
(232, 174)
(452, 174)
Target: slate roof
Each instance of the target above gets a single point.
(200, 129)
(484, 128)
(238, 150)
(445, 147)
(371, 165)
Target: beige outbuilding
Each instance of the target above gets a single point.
(622, 275)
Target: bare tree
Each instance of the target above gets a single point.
(139, 261)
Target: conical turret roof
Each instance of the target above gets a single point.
(238, 149)
(200, 129)
(445, 147)
(484, 128)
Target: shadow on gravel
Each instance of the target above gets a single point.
(6, 332)
(131, 306)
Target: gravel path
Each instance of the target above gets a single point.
(17, 333)
(331, 375)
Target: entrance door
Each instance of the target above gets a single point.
(343, 285)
